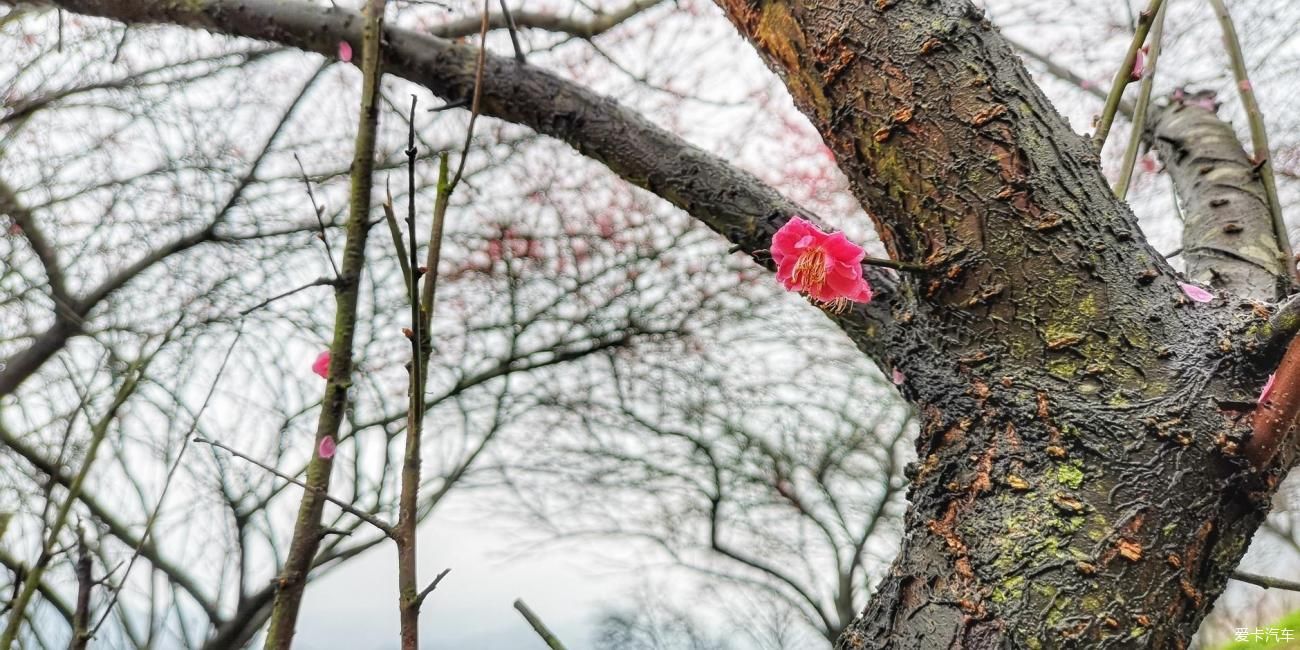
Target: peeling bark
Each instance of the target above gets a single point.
(1228, 238)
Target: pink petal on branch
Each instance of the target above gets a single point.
(1139, 63)
(1244, 85)
(345, 52)
(1149, 164)
(322, 364)
(1195, 293)
(1268, 388)
(897, 377)
(327, 447)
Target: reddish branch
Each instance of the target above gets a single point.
(1274, 424)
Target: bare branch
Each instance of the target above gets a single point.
(538, 626)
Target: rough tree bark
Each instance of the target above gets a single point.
(1082, 480)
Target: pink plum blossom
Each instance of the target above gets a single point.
(824, 267)
(345, 52)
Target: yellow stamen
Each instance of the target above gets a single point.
(810, 268)
(836, 306)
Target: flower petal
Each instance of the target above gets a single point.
(785, 239)
(322, 364)
(841, 261)
(839, 247)
(345, 52)
(1195, 293)
(327, 447)
(1268, 388)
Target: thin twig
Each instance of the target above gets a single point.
(121, 43)
(408, 498)
(1124, 75)
(85, 584)
(895, 264)
(434, 256)
(317, 210)
(171, 474)
(318, 282)
(1258, 134)
(343, 505)
(424, 593)
(399, 242)
(478, 96)
(538, 626)
(1267, 582)
(449, 105)
(514, 32)
(1143, 104)
(99, 431)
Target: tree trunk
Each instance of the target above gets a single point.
(1080, 481)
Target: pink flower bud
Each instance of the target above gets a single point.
(322, 364)
(327, 447)
(1139, 63)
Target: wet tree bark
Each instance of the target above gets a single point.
(1080, 481)
(1092, 461)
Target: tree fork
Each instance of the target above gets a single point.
(1080, 481)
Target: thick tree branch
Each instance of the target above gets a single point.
(581, 28)
(1263, 158)
(1228, 237)
(966, 167)
(732, 202)
(1049, 336)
